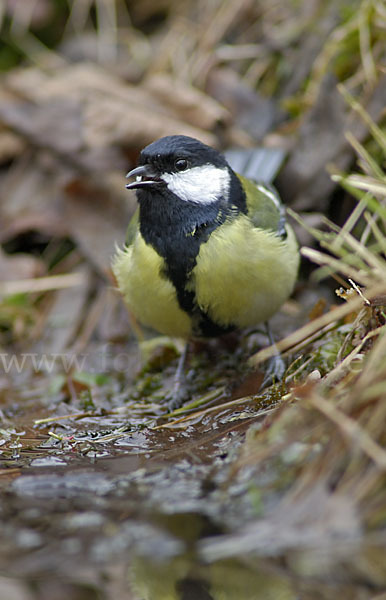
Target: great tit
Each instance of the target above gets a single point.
(208, 251)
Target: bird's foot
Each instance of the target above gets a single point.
(275, 365)
(275, 371)
(178, 393)
(176, 399)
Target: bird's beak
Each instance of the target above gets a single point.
(145, 175)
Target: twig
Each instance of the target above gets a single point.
(41, 284)
(213, 409)
(63, 417)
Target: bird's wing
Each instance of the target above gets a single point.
(264, 206)
(132, 228)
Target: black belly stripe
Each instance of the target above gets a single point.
(202, 324)
(176, 229)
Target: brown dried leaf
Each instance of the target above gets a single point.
(318, 309)
(111, 111)
(97, 220)
(51, 124)
(250, 111)
(114, 324)
(29, 195)
(64, 316)
(189, 103)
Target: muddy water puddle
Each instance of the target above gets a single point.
(88, 497)
(121, 501)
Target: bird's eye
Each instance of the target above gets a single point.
(181, 164)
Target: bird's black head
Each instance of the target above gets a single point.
(191, 170)
(185, 191)
(166, 153)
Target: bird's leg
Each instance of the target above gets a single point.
(179, 377)
(275, 365)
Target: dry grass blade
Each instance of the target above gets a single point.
(375, 367)
(343, 366)
(368, 161)
(107, 31)
(375, 230)
(331, 46)
(42, 284)
(376, 131)
(211, 409)
(304, 333)
(350, 429)
(79, 415)
(330, 265)
(368, 184)
(364, 20)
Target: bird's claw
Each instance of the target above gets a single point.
(275, 371)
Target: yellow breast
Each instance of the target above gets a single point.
(147, 292)
(244, 274)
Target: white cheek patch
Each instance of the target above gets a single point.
(201, 185)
